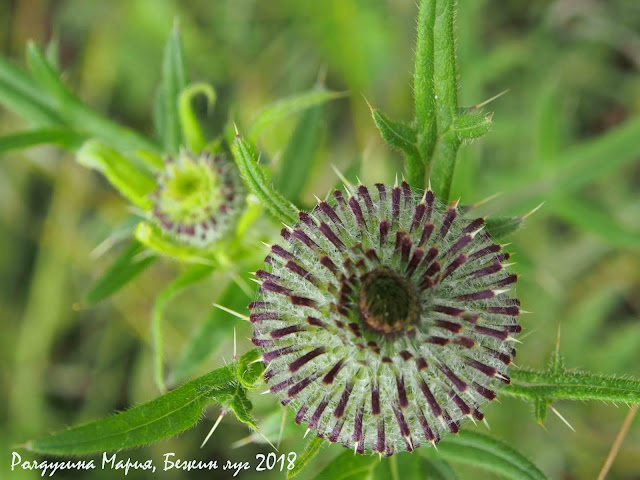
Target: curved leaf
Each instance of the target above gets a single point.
(488, 453)
(288, 106)
(125, 268)
(63, 137)
(348, 466)
(165, 416)
(311, 449)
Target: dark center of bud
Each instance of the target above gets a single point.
(388, 302)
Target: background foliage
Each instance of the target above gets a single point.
(566, 132)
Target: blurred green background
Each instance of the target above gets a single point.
(567, 133)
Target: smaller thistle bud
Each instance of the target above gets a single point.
(199, 198)
(384, 319)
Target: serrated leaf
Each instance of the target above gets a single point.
(62, 137)
(255, 180)
(311, 449)
(193, 274)
(396, 134)
(533, 385)
(297, 159)
(129, 264)
(133, 183)
(488, 453)
(470, 127)
(288, 106)
(348, 466)
(174, 81)
(163, 417)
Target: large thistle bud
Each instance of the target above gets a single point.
(384, 319)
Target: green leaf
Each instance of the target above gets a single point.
(174, 81)
(500, 227)
(578, 166)
(74, 113)
(348, 466)
(163, 417)
(311, 449)
(190, 125)
(129, 264)
(256, 182)
(591, 218)
(193, 274)
(488, 453)
(534, 385)
(288, 106)
(20, 94)
(133, 183)
(216, 328)
(396, 134)
(63, 137)
(469, 127)
(403, 137)
(297, 159)
(152, 237)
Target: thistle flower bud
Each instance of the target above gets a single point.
(384, 319)
(199, 198)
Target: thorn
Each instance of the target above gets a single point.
(482, 104)
(484, 420)
(236, 129)
(472, 419)
(342, 178)
(403, 179)
(561, 417)
(531, 212)
(256, 281)
(558, 341)
(455, 204)
(266, 245)
(500, 291)
(257, 360)
(317, 199)
(232, 312)
(359, 181)
(511, 339)
(213, 429)
(371, 109)
(544, 427)
(235, 346)
(306, 433)
(284, 417)
(242, 442)
(265, 392)
(355, 448)
(266, 439)
(483, 201)
(500, 376)
(396, 182)
(287, 227)
(429, 186)
(410, 442)
(433, 442)
(380, 456)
